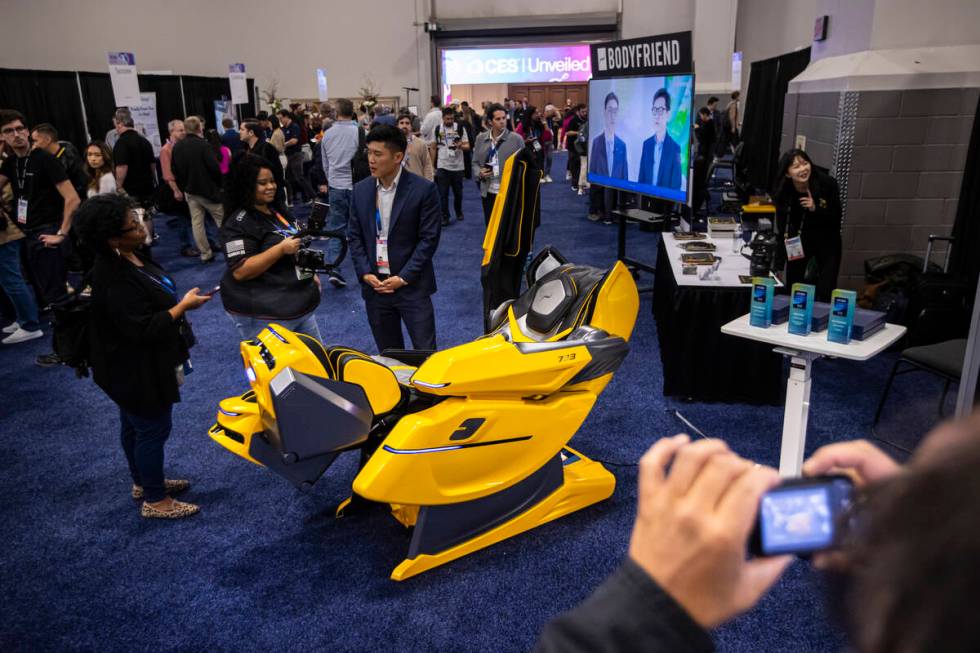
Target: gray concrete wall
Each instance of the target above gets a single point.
(813, 115)
(906, 168)
(909, 155)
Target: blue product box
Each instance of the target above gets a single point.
(760, 314)
(801, 309)
(821, 315)
(867, 323)
(841, 316)
(780, 309)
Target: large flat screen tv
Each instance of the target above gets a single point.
(640, 134)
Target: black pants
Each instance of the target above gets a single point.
(602, 200)
(47, 267)
(142, 442)
(574, 164)
(387, 312)
(446, 179)
(297, 178)
(488, 202)
(827, 265)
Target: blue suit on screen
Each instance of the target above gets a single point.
(670, 163)
(599, 163)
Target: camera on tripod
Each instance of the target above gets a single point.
(308, 258)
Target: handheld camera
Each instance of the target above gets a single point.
(802, 516)
(308, 258)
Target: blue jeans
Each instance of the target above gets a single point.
(12, 282)
(339, 200)
(249, 327)
(142, 442)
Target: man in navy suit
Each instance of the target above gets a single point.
(607, 148)
(660, 164)
(393, 233)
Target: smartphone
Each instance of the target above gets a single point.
(802, 516)
(212, 292)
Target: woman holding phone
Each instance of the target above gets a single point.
(139, 350)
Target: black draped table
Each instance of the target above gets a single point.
(699, 362)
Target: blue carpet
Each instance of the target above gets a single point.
(265, 567)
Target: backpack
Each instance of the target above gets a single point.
(72, 328)
(359, 168)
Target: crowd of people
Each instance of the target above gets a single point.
(908, 566)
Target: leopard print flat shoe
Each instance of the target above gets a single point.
(178, 510)
(170, 486)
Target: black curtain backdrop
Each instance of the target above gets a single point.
(201, 92)
(763, 123)
(965, 259)
(45, 96)
(52, 96)
(99, 104)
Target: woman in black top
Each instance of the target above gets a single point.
(139, 345)
(808, 222)
(262, 283)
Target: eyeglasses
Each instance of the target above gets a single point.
(659, 111)
(612, 112)
(21, 129)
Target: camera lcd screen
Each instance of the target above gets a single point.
(799, 300)
(796, 519)
(840, 306)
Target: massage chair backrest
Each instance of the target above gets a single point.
(565, 296)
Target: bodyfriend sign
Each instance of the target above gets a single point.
(568, 63)
(664, 54)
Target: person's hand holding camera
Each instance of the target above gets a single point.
(693, 525)
(859, 459)
(291, 245)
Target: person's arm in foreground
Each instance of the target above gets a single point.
(687, 569)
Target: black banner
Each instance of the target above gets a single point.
(664, 54)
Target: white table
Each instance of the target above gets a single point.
(732, 265)
(801, 352)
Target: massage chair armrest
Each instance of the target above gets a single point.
(413, 357)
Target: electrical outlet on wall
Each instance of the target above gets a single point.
(800, 142)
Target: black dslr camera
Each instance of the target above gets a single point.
(308, 258)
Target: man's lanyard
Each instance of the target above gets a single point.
(22, 174)
(163, 281)
(493, 146)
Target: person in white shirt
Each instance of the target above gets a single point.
(450, 142)
(98, 166)
(431, 120)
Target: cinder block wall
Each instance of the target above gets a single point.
(906, 167)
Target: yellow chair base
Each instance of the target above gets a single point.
(585, 482)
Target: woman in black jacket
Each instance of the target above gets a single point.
(808, 222)
(139, 345)
(263, 283)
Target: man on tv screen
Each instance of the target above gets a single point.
(660, 164)
(608, 150)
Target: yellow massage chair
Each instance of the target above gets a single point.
(469, 445)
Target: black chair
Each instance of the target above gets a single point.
(943, 359)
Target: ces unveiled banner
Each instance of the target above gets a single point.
(568, 63)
